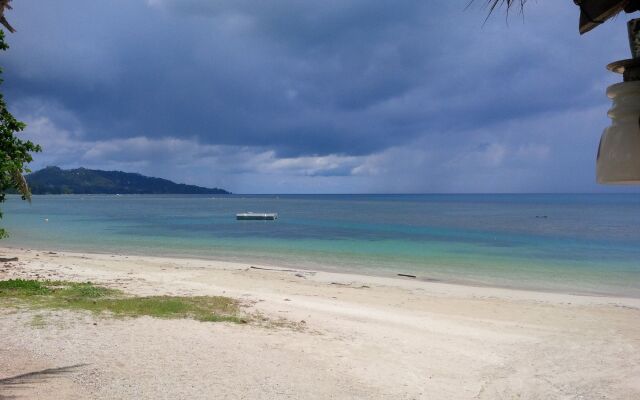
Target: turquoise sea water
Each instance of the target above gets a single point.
(569, 243)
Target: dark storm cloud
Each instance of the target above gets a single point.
(293, 80)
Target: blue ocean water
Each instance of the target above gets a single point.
(578, 243)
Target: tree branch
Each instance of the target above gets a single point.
(4, 5)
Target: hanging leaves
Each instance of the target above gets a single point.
(15, 153)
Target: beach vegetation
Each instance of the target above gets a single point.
(86, 296)
(15, 153)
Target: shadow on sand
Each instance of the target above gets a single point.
(18, 382)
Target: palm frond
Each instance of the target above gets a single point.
(21, 185)
(493, 4)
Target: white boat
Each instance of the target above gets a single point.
(251, 216)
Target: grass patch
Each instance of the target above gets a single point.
(22, 287)
(100, 300)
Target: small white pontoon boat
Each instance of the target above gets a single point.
(251, 216)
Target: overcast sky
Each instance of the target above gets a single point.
(262, 96)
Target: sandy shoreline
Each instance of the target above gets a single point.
(361, 274)
(362, 337)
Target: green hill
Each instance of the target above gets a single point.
(54, 180)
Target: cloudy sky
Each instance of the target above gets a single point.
(316, 96)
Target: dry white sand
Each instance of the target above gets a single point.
(362, 337)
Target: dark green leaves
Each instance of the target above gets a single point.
(15, 153)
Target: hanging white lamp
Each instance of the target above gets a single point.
(618, 160)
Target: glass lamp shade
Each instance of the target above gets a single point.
(618, 160)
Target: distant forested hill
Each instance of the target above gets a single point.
(54, 180)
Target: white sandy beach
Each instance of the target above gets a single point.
(346, 337)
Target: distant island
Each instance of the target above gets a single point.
(55, 180)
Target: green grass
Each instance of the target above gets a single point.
(100, 300)
(21, 287)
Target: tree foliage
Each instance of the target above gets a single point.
(15, 154)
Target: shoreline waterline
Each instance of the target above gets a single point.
(364, 276)
(558, 243)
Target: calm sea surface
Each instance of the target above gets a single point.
(569, 243)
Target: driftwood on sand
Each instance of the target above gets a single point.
(283, 270)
